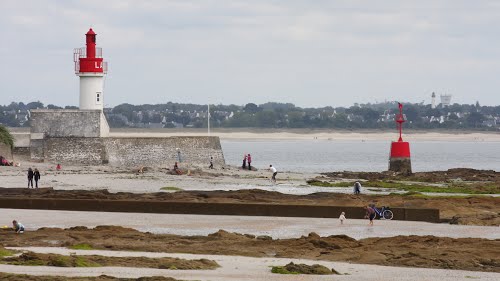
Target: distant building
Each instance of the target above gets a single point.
(445, 100)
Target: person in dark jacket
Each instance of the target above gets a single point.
(244, 166)
(36, 175)
(30, 177)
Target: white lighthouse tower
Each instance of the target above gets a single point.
(433, 100)
(91, 68)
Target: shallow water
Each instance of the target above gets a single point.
(325, 155)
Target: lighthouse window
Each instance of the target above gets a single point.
(98, 97)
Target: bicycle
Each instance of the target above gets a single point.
(384, 213)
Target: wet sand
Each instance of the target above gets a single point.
(473, 254)
(276, 227)
(248, 268)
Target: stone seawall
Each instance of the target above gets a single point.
(163, 151)
(75, 151)
(128, 152)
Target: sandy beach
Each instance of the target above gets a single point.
(296, 134)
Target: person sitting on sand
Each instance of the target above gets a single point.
(342, 218)
(18, 227)
(176, 169)
(370, 214)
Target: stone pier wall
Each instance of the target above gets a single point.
(128, 152)
(163, 151)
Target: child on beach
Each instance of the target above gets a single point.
(342, 218)
(18, 227)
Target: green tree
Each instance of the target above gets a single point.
(6, 137)
(251, 108)
(475, 119)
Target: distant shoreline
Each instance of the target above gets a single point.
(312, 134)
(305, 134)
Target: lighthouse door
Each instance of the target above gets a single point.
(98, 98)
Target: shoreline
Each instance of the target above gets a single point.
(21, 134)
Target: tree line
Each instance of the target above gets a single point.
(283, 115)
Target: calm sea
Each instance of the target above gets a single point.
(325, 155)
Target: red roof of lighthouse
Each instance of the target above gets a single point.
(90, 32)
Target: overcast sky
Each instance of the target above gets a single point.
(311, 52)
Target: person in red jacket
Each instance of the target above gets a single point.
(249, 160)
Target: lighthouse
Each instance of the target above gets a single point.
(400, 160)
(91, 68)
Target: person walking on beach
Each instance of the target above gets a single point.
(342, 218)
(30, 177)
(357, 188)
(275, 172)
(249, 160)
(370, 214)
(211, 162)
(179, 158)
(36, 176)
(244, 166)
(18, 227)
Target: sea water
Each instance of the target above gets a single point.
(373, 156)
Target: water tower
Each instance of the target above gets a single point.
(445, 100)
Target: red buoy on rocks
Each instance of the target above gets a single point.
(400, 161)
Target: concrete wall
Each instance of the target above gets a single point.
(162, 151)
(237, 209)
(66, 123)
(104, 126)
(128, 152)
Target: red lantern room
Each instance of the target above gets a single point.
(89, 59)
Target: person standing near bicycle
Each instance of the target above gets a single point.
(370, 214)
(274, 171)
(357, 187)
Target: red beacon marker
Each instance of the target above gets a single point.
(91, 68)
(400, 160)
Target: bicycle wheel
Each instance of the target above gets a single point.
(388, 215)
